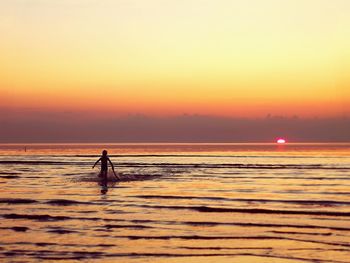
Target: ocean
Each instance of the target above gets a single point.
(176, 203)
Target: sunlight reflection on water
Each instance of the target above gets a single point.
(177, 202)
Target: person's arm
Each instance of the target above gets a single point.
(111, 164)
(96, 163)
(115, 174)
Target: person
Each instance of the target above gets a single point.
(104, 168)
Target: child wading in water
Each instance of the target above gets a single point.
(104, 170)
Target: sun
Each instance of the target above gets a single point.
(281, 141)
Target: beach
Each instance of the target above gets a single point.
(176, 203)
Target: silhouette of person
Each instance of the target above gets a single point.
(104, 168)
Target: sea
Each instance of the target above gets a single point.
(204, 202)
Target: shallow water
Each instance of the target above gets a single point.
(176, 203)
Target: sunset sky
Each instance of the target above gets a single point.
(169, 57)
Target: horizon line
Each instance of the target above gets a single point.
(167, 143)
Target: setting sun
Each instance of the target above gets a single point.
(281, 141)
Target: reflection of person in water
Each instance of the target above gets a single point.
(104, 167)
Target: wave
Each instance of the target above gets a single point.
(300, 233)
(110, 226)
(16, 201)
(36, 217)
(46, 217)
(35, 162)
(208, 209)
(219, 237)
(65, 202)
(9, 176)
(83, 255)
(45, 244)
(16, 228)
(140, 223)
(211, 223)
(304, 202)
(232, 165)
(58, 202)
(203, 223)
(123, 177)
(61, 231)
(189, 165)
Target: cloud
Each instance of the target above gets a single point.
(41, 126)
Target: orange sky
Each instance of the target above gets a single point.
(161, 57)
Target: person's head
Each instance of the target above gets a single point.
(104, 152)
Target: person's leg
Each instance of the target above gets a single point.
(104, 178)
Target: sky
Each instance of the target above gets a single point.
(229, 59)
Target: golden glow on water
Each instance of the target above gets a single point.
(176, 205)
